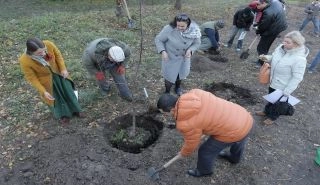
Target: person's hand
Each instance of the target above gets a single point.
(164, 56)
(188, 53)
(100, 76)
(286, 95)
(121, 69)
(65, 73)
(180, 155)
(263, 58)
(48, 96)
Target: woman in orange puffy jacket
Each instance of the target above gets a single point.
(200, 113)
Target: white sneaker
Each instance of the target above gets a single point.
(238, 49)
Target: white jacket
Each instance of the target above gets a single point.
(287, 68)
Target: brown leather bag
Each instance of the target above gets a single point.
(264, 74)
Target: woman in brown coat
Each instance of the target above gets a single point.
(44, 68)
(200, 113)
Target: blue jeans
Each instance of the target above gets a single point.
(314, 62)
(211, 148)
(235, 30)
(120, 82)
(315, 21)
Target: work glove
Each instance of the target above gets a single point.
(121, 69)
(104, 86)
(100, 76)
(101, 80)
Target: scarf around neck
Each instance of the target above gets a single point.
(40, 59)
(193, 32)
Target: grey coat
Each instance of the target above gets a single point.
(175, 44)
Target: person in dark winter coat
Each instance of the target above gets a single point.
(108, 54)
(177, 42)
(272, 23)
(210, 38)
(242, 21)
(312, 11)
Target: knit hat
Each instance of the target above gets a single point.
(166, 102)
(116, 53)
(253, 4)
(219, 24)
(246, 12)
(264, 1)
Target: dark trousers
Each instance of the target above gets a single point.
(265, 44)
(273, 115)
(211, 148)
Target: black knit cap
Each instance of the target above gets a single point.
(166, 102)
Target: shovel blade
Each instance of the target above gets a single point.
(153, 174)
(244, 55)
(131, 23)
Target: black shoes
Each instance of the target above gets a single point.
(178, 91)
(196, 173)
(227, 156)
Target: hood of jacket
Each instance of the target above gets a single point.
(187, 106)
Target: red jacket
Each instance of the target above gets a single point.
(200, 113)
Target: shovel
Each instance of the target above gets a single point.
(153, 173)
(130, 21)
(245, 54)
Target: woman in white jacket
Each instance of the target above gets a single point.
(288, 64)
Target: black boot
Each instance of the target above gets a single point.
(168, 86)
(177, 88)
(227, 156)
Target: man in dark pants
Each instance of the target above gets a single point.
(271, 24)
(210, 39)
(108, 54)
(198, 113)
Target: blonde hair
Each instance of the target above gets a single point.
(296, 37)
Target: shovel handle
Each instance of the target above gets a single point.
(172, 161)
(254, 40)
(178, 156)
(126, 7)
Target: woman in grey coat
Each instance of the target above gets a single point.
(177, 42)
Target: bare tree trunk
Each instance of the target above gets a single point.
(177, 5)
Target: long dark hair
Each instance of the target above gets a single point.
(180, 18)
(33, 44)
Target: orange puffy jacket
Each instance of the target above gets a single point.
(199, 112)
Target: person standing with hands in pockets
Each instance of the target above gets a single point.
(177, 42)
